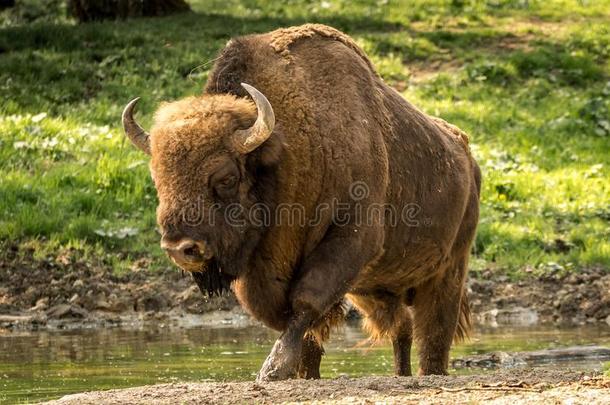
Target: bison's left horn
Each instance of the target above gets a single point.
(135, 132)
(246, 140)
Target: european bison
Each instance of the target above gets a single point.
(328, 185)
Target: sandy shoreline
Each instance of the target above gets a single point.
(503, 387)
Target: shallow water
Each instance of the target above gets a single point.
(45, 365)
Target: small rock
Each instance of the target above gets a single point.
(373, 386)
(41, 305)
(62, 311)
(510, 316)
(102, 304)
(152, 303)
(117, 304)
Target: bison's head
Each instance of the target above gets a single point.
(210, 162)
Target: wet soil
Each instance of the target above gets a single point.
(508, 387)
(63, 291)
(577, 298)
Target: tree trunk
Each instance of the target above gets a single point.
(6, 4)
(93, 10)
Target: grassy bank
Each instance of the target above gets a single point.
(529, 81)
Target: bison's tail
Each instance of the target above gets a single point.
(464, 321)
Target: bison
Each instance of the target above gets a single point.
(299, 178)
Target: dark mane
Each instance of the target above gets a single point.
(231, 68)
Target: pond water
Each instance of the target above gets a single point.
(46, 365)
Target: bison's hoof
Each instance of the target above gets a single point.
(274, 375)
(276, 371)
(281, 364)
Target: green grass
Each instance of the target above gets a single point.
(529, 81)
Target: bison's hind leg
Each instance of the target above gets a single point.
(402, 338)
(440, 314)
(387, 316)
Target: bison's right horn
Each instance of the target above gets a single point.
(246, 140)
(137, 135)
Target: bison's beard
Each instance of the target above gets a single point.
(212, 281)
(230, 261)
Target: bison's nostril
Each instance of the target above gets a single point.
(191, 251)
(186, 250)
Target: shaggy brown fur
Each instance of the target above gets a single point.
(338, 126)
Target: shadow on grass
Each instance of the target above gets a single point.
(502, 57)
(183, 27)
(53, 68)
(48, 66)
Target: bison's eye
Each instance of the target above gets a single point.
(226, 186)
(228, 182)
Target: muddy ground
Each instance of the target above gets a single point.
(65, 291)
(507, 387)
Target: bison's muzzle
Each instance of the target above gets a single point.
(197, 258)
(189, 254)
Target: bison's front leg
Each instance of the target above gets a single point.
(284, 354)
(325, 277)
(283, 361)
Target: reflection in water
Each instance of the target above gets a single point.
(43, 365)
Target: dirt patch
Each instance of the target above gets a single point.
(513, 35)
(555, 298)
(448, 62)
(510, 387)
(63, 291)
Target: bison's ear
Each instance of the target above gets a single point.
(136, 134)
(270, 153)
(247, 140)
